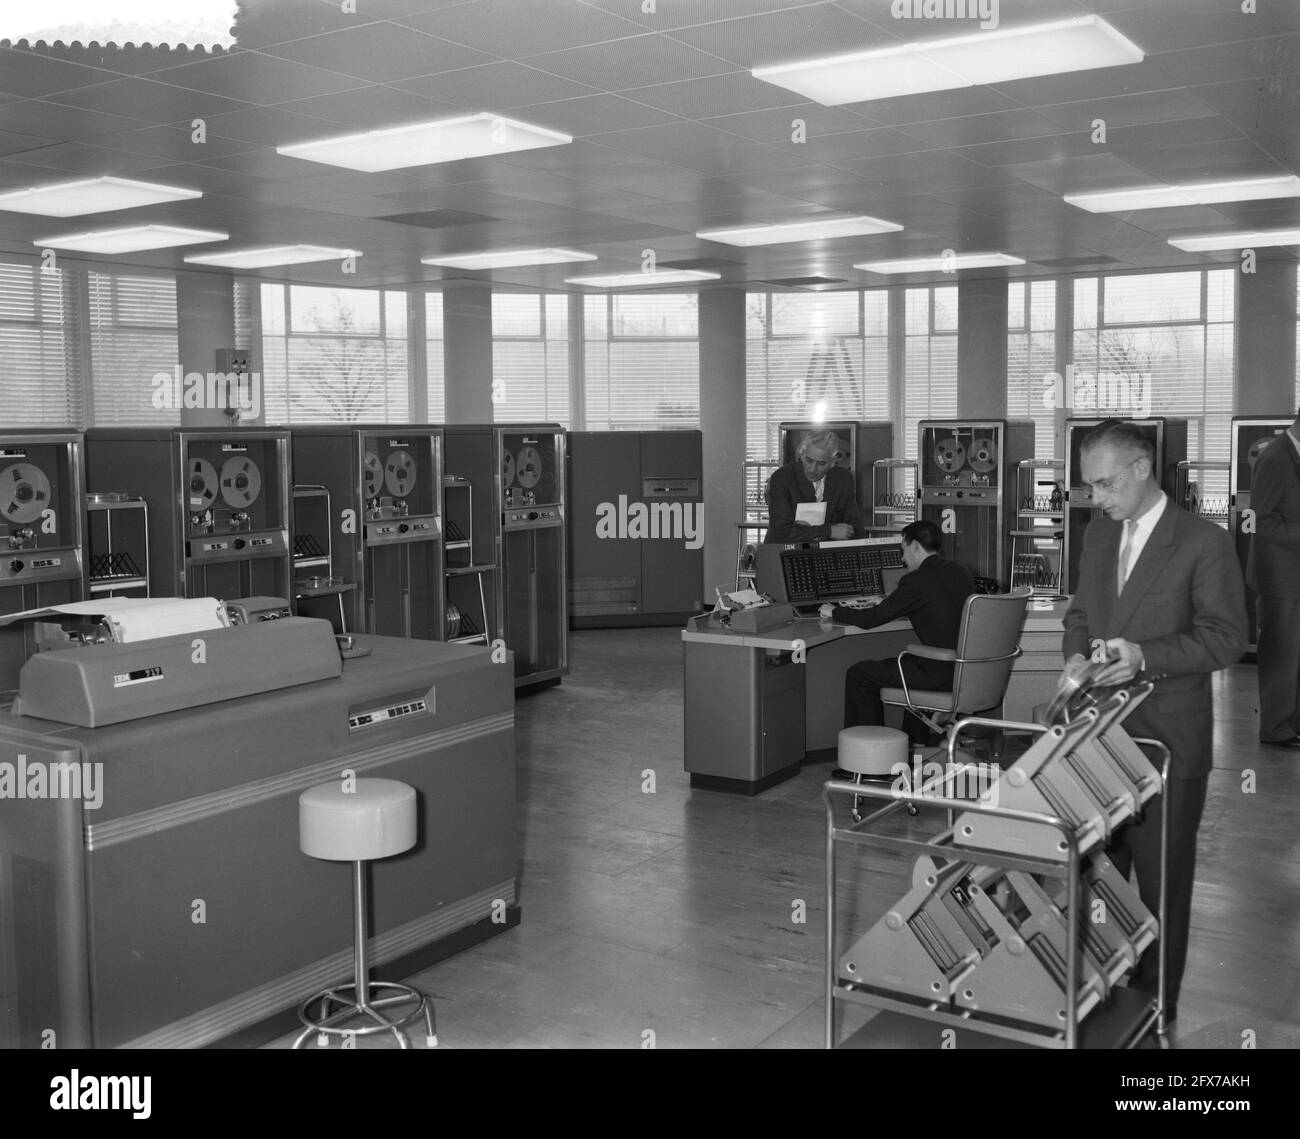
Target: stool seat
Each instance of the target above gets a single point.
(872, 750)
(358, 820)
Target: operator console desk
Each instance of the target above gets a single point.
(752, 714)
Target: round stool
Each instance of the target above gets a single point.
(872, 752)
(356, 822)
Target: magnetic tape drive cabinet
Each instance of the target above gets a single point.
(1250, 435)
(966, 484)
(861, 443)
(42, 533)
(1167, 436)
(385, 490)
(528, 524)
(218, 499)
(636, 527)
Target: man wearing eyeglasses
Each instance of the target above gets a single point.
(1160, 593)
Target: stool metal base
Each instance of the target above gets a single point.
(327, 1023)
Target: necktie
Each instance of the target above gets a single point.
(819, 488)
(1125, 546)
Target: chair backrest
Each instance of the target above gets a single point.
(987, 644)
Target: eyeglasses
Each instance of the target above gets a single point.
(1107, 486)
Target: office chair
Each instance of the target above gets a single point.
(988, 643)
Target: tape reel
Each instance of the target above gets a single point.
(749, 559)
(528, 466)
(507, 469)
(983, 456)
(399, 473)
(453, 621)
(1257, 449)
(372, 474)
(241, 481)
(202, 489)
(950, 455)
(24, 492)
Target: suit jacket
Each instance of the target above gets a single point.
(932, 597)
(789, 486)
(1184, 604)
(1273, 566)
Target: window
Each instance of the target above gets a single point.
(929, 359)
(435, 380)
(334, 355)
(530, 358)
(1160, 344)
(40, 383)
(818, 356)
(642, 362)
(1031, 356)
(133, 339)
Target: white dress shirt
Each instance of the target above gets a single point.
(1142, 531)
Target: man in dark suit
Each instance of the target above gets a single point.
(813, 477)
(1273, 572)
(931, 596)
(1159, 592)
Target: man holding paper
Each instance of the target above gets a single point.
(813, 499)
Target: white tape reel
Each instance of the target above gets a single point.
(950, 455)
(241, 481)
(201, 491)
(528, 464)
(24, 492)
(372, 474)
(399, 473)
(983, 456)
(507, 469)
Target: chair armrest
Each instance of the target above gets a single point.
(931, 653)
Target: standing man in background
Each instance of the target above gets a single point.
(1273, 572)
(1159, 592)
(813, 478)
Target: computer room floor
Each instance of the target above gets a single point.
(673, 912)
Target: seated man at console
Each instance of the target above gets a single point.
(813, 477)
(931, 596)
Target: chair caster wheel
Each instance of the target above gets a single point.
(430, 1041)
(323, 1040)
(911, 809)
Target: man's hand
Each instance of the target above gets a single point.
(841, 532)
(1126, 661)
(1074, 667)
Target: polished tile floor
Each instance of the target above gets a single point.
(698, 917)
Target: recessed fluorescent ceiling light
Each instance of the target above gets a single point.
(1199, 194)
(206, 23)
(643, 280)
(422, 144)
(271, 255)
(132, 238)
(509, 258)
(91, 196)
(819, 229)
(1247, 240)
(962, 61)
(941, 264)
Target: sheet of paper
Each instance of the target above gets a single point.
(812, 513)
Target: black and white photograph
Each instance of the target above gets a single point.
(650, 525)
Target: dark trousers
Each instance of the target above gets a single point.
(1137, 846)
(864, 680)
(1278, 654)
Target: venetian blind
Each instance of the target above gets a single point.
(40, 383)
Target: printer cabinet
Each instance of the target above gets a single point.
(181, 910)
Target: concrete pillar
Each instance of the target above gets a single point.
(1266, 333)
(205, 315)
(982, 349)
(467, 351)
(722, 421)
